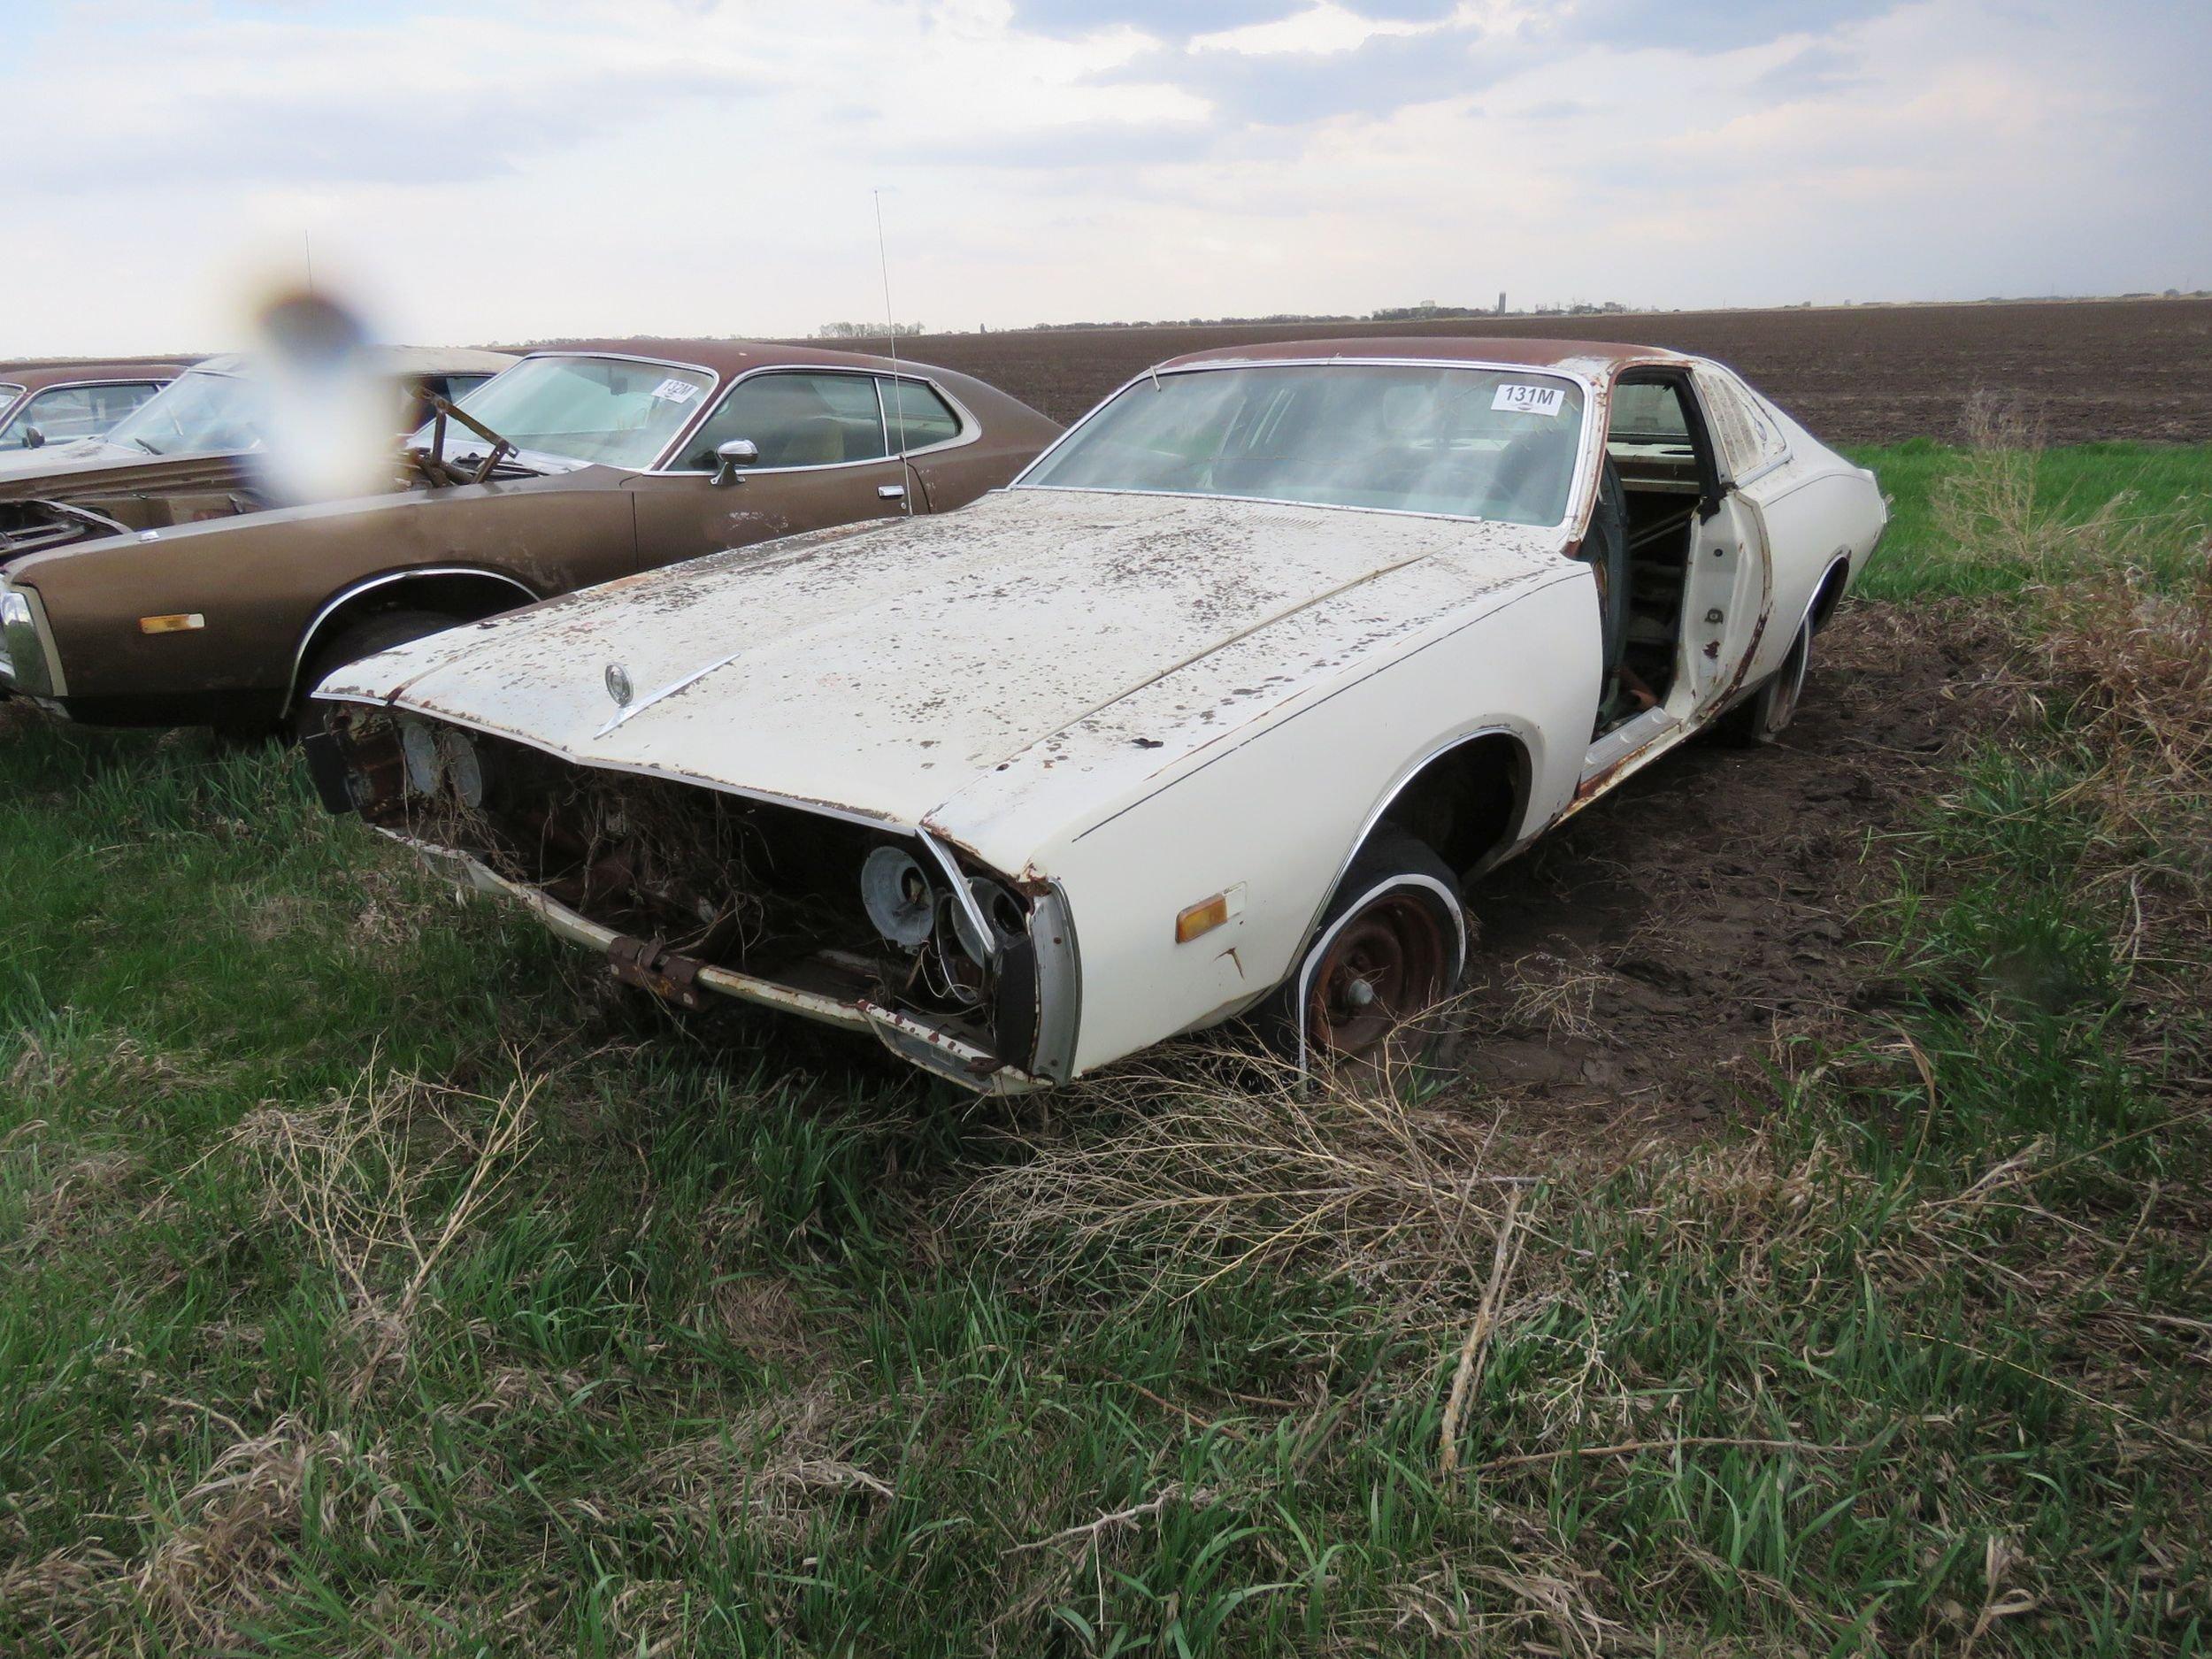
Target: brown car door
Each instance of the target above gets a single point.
(821, 460)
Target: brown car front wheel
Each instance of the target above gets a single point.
(364, 638)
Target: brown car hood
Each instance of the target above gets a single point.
(60, 473)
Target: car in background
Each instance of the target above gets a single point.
(191, 451)
(1212, 714)
(59, 402)
(576, 466)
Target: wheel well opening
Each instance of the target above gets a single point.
(1831, 594)
(1467, 802)
(461, 594)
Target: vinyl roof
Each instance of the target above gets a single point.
(393, 360)
(1442, 349)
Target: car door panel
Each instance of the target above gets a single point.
(1725, 601)
(682, 516)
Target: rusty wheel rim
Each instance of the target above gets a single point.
(1385, 966)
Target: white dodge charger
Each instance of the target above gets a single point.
(1212, 713)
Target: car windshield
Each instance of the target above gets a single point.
(197, 413)
(609, 410)
(1464, 443)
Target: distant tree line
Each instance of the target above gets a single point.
(866, 331)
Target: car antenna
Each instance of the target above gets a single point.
(891, 324)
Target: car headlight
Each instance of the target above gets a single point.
(25, 660)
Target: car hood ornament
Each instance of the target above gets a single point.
(618, 685)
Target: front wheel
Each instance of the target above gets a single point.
(1391, 946)
(364, 638)
(1761, 717)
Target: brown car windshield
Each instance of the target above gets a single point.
(1461, 442)
(608, 409)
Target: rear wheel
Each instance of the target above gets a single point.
(1761, 717)
(1391, 947)
(364, 638)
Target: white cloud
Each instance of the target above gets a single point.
(490, 169)
(1321, 29)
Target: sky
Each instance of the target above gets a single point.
(489, 170)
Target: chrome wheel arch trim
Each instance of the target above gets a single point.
(370, 584)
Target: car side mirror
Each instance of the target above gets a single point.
(33, 438)
(730, 456)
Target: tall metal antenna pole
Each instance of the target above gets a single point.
(891, 326)
(307, 246)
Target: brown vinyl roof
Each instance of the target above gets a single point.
(35, 376)
(1437, 348)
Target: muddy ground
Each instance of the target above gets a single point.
(2090, 370)
(1638, 973)
(1639, 969)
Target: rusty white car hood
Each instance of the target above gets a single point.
(1031, 659)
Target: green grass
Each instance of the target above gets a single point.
(749, 1342)
(2164, 487)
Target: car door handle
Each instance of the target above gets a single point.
(891, 492)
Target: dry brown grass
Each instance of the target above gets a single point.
(1209, 1170)
(383, 1179)
(2122, 648)
(217, 1551)
(779, 1465)
(1553, 997)
(228, 1539)
(2137, 658)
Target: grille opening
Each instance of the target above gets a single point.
(764, 888)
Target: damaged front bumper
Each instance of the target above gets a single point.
(928, 1046)
(1011, 1033)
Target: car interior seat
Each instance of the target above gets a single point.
(1606, 547)
(816, 441)
(1531, 478)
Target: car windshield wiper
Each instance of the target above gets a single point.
(432, 461)
(142, 444)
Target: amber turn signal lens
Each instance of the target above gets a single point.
(176, 624)
(1201, 918)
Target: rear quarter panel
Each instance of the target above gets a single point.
(1013, 435)
(1281, 812)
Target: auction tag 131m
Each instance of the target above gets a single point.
(1530, 400)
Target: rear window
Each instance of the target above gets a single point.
(918, 418)
(1748, 436)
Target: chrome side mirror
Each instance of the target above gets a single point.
(33, 438)
(730, 456)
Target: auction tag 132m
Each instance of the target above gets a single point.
(1530, 400)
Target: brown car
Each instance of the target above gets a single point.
(599, 462)
(192, 450)
(54, 402)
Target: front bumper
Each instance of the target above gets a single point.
(29, 666)
(912, 1039)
